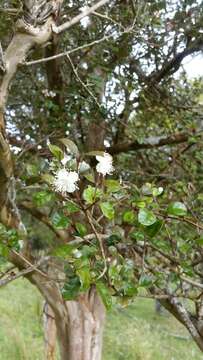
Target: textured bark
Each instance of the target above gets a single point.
(192, 324)
(77, 324)
(49, 332)
(85, 328)
(25, 38)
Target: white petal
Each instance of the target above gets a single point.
(65, 159)
(83, 166)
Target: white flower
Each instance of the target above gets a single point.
(105, 165)
(65, 181)
(52, 94)
(65, 159)
(106, 143)
(45, 92)
(48, 93)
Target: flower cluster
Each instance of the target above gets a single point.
(48, 93)
(105, 164)
(66, 181)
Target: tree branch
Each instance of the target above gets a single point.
(149, 143)
(12, 276)
(69, 52)
(44, 219)
(173, 65)
(76, 19)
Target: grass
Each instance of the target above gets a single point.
(134, 333)
(137, 333)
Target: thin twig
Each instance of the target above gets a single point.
(69, 52)
(108, 18)
(76, 19)
(82, 83)
(29, 263)
(191, 282)
(99, 238)
(12, 277)
(183, 219)
(9, 11)
(3, 274)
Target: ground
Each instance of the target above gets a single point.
(133, 333)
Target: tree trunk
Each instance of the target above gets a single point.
(49, 332)
(82, 338)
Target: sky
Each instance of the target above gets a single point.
(193, 66)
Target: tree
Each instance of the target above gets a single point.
(108, 80)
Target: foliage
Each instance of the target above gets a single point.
(142, 227)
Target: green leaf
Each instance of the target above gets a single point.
(71, 207)
(129, 217)
(42, 197)
(113, 239)
(140, 204)
(3, 232)
(32, 180)
(107, 210)
(90, 177)
(153, 229)
(177, 208)
(85, 278)
(157, 191)
(113, 250)
(56, 151)
(146, 217)
(130, 290)
(60, 221)
(114, 272)
(88, 251)
(91, 194)
(137, 235)
(81, 229)
(47, 178)
(200, 241)
(4, 250)
(32, 170)
(145, 281)
(72, 288)
(200, 197)
(104, 294)
(63, 251)
(70, 145)
(13, 238)
(112, 185)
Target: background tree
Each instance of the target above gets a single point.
(107, 81)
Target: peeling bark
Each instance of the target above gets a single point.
(86, 321)
(78, 324)
(25, 38)
(49, 332)
(81, 339)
